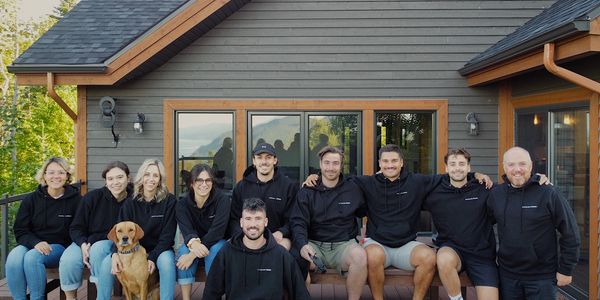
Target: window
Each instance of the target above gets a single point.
(207, 138)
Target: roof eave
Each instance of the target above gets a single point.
(565, 31)
(44, 68)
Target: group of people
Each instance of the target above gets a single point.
(263, 242)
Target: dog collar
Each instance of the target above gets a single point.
(136, 248)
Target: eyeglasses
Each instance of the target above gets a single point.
(52, 173)
(200, 181)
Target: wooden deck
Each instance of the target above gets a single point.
(317, 292)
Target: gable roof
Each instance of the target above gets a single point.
(112, 41)
(563, 19)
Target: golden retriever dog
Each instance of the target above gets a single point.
(134, 275)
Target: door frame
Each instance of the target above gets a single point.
(506, 119)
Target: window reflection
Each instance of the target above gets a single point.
(205, 138)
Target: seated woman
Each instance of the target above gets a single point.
(153, 208)
(98, 212)
(202, 215)
(42, 230)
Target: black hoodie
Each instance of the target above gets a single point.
(327, 214)
(97, 214)
(394, 207)
(528, 218)
(208, 222)
(460, 217)
(157, 219)
(265, 273)
(279, 194)
(42, 218)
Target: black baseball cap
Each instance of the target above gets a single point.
(264, 148)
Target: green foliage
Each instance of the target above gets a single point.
(32, 126)
(36, 127)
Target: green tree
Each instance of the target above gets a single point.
(32, 126)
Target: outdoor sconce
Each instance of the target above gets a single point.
(138, 125)
(473, 124)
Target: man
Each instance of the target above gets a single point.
(528, 217)
(465, 234)
(251, 265)
(394, 198)
(324, 222)
(262, 180)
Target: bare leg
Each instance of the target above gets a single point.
(375, 265)
(186, 291)
(70, 295)
(355, 262)
(487, 292)
(448, 265)
(423, 258)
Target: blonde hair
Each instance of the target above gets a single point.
(138, 182)
(39, 176)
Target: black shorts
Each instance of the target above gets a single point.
(482, 271)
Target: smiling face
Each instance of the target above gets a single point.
(331, 166)
(151, 180)
(390, 164)
(457, 168)
(264, 163)
(517, 166)
(55, 176)
(253, 223)
(202, 185)
(116, 181)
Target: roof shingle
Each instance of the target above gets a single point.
(93, 31)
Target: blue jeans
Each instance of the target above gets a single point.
(71, 263)
(166, 272)
(188, 276)
(27, 268)
(70, 268)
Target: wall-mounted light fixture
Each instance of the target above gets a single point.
(138, 125)
(473, 124)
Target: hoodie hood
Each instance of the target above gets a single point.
(250, 175)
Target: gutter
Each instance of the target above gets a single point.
(55, 68)
(565, 74)
(528, 45)
(52, 93)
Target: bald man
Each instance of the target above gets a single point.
(528, 216)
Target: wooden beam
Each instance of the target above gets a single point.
(241, 143)
(81, 137)
(582, 45)
(594, 193)
(52, 93)
(368, 141)
(506, 123)
(139, 52)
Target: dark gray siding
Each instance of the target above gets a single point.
(324, 49)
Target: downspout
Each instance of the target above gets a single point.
(567, 74)
(52, 93)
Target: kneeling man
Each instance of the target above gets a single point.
(324, 222)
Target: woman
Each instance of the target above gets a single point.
(202, 216)
(153, 208)
(98, 212)
(42, 230)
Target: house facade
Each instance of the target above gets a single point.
(212, 78)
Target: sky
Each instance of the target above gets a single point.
(29, 9)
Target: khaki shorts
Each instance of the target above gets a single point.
(397, 257)
(332, 254)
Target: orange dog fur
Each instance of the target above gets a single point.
(134, 276)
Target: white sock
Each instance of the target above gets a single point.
(457, 297)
